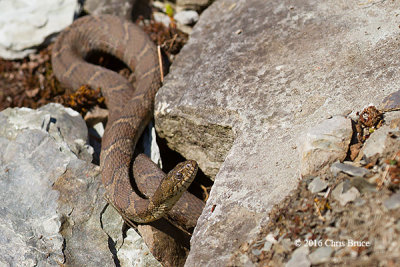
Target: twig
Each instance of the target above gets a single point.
(160, 62)
(173, 40)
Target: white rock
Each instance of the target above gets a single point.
(345, 197)
(25, 24)
(161, 17)
(299, 258)
(134, 251)
(317, 185)
(187, 17)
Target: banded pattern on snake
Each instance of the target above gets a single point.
(130, 110)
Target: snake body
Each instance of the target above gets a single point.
(130, 110)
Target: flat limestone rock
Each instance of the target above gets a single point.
(253, 76)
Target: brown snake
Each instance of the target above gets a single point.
(130, 110)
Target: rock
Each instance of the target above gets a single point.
(134, 252)
(320, 255)
(344, 196)
(286, 244)
(362, 185)
(393, 202)
(317, 185)
(35, 146)
(299, 258)
(324, 143)
(348, 169)
(251, 78)
(119, 8)
(193, 4)
(25, 25)
(187, 17)
(375, 144)
(161, 17)
(267, 246)
(53, 207)
(380, 141)
(96, 115)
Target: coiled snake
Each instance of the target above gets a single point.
(130, 110)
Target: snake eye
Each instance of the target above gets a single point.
(179, 176)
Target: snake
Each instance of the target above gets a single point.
(130, 106)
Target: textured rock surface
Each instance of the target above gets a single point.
(376, 143)
(324, 143)
(120, 8)
(53, 211)
(252, 77)
(24, 25)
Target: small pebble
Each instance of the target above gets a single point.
(161, 17)
(299, 258)
(348, 169)
(270, 238)
(345, 197)
(392, 202)
(267, 246)
(256, 252)
(321, 255)
(359, 202)
(362, 185)
(187, 17)
(287, 244)
(317, 185)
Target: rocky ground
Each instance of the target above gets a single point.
(344, 215)
(344, 210)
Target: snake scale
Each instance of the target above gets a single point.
(130, 110)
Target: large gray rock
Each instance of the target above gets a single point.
(252, 77)
(53, 211)
(24, 25)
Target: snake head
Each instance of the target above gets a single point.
(175, 184)
(180, 177)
